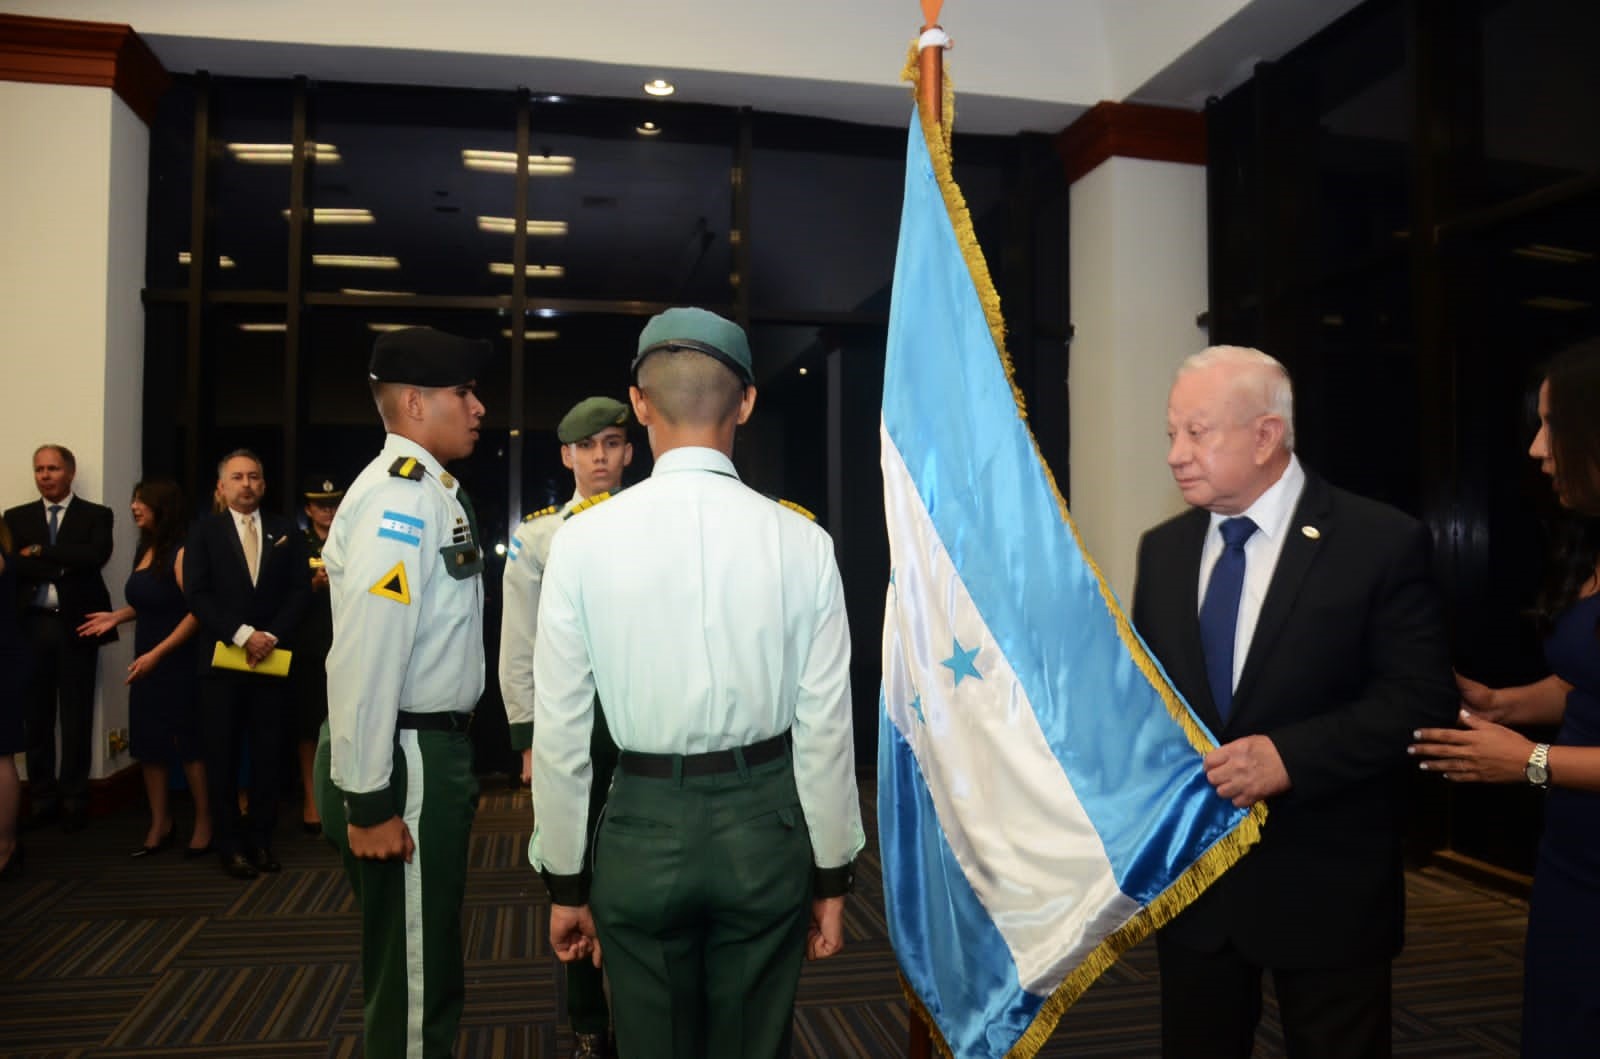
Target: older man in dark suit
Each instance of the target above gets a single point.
(62, 541)
(1300, 623)
(245, 580)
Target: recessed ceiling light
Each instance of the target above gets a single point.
(506, 162)
(648, 128)
(532, 336)
(263, 328)
(380, 261)
(222, 262)
(804, 371)
(659, 87)
(281, 153)
(377, 293)
(338, 215)
(508, 226)
(506, 268)
(383, 328)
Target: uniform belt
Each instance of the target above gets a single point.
(443, 721)
(714, 763)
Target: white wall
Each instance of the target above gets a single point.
(71, 323)
(1138, 280)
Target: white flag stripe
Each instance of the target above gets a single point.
(1005, 805)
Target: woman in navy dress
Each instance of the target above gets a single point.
(1561, 964)
(163, 700)
(13, 675)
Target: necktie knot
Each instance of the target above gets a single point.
(1235, 531)
(55, 509)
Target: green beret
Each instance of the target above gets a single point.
(699, 330)
(421, 356)
(590, 416)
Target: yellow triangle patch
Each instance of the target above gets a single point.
(393, 585)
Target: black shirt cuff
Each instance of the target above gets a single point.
(369, 808)
(571, 890)
(522, 735)
(833, 882)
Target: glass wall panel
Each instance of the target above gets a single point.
(407, 188)
(621, 211)
(252, 126)
(171, 187)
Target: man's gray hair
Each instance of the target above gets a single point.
(239, 454)
(1262, 387)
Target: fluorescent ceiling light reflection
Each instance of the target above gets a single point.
(506, 162)
(263, 328)
(1557, 254)
(381, 261)
(506, 268)
(382, 328)
(338, 215)
(222, 262)
(533, 336)
(377, 293)
(281, 153)
(508, 226)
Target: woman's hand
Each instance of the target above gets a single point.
(141, 667)
(1480, 752)
(98, 624)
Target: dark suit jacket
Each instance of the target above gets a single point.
(1348, 656)
(73, 562)
(216, 581)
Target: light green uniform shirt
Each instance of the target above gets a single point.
(525, 561)
(707, 617)
(407, 617)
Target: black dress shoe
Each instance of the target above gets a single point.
(41, 815)
(263, 861)
(311, 828)
(234, 864)
(196, 852)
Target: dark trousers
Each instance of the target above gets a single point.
(63, 675)
(587, 1010)
(702, 895)
(233, 707)
(412, 969)
(1211, 1003)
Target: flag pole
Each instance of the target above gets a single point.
(930, 100)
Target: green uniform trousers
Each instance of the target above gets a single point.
(411, 960)
(586, 994)
(701, 895)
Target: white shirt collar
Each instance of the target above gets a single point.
(1272, 510)
(65, 503)
(693, 458)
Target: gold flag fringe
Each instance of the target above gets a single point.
(1228, 849)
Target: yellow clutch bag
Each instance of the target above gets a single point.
(227, 656)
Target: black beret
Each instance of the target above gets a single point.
(421, 356)
(321, 487)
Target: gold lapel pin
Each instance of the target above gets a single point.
(1311, 532)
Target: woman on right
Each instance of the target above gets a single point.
(1561, 975)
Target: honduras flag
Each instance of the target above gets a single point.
(1042, 805)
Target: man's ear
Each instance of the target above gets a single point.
(566, 456)
(627, 453)
(1269, 437)
(747, 404)
(642, 410)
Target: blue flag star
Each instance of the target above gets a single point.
(960, 662)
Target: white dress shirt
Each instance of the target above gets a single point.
(51, 599)
(524, 576)
(1271, 513)
(707, 617)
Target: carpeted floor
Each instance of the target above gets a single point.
(101, 955)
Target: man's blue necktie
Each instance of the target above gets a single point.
(41, 595)
(1219, 612)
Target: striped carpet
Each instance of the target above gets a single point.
(101, 955)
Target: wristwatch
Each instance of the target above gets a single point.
(1538, 767)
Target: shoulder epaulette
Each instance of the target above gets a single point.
(408, 467)
(584, 505)
(797, 509)
(542, 512)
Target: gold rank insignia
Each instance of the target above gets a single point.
(407, 467)
(584, 505)
(797, 509)
(542, 512)
(446, 480)
(393, 585)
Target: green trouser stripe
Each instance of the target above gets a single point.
(587, 1010)
(701, 894)
(411, 959)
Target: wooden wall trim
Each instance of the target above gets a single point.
(1131, 130)
(59, 51)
